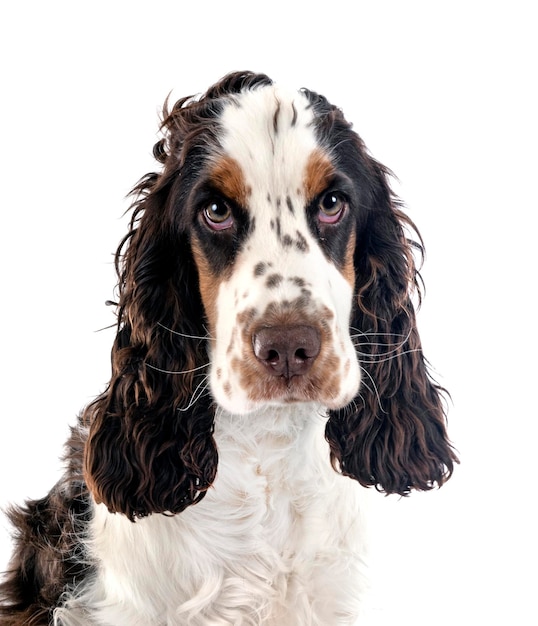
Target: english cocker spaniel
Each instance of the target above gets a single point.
(266, 365)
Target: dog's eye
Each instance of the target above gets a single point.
(332, 205)
(218, 215)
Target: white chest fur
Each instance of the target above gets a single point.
(276, 541)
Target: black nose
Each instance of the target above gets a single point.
(287, 350)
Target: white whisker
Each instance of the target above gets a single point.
(158, 369)
(392, 350)
(201, 388)
(176, 332)
(372, 333)
(383, 358)
(394, 347)
(375, 390)
(374, 343)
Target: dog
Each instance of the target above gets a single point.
(266, 369)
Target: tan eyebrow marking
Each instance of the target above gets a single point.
(318, 174)
(227, 176)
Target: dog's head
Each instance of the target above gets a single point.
(267, 264)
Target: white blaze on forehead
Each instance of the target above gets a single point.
(269, 132)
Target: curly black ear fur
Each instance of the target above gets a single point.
(393, 435)
(149, 451)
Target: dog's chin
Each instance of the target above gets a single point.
(288, 398)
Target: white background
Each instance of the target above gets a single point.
(442, 93)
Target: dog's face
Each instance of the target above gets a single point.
(273, 242)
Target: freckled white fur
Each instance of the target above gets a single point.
(278, 540)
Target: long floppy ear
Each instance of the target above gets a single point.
(393, 435)
(150, 447)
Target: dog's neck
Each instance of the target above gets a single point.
(290, 422)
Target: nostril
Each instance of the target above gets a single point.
(287, 350)
(273, 356)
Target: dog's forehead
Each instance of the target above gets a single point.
(269, 133)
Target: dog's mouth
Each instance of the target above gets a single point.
(317, 386)
(290, 389)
